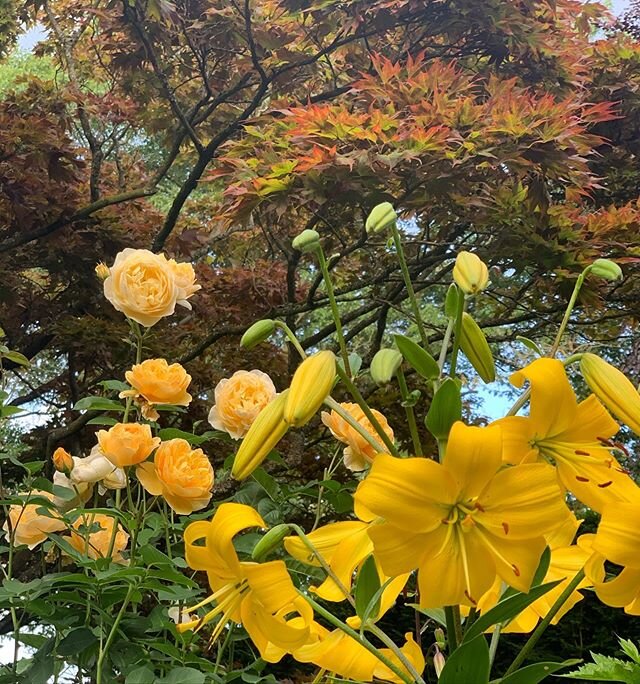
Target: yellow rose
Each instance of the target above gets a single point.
(86, 538)
(146, 287)
(158, 383)
(185, 278)
(127, 444)
(62, 461)
(182, 475)
(238, 401)
(358, 451)
(30, 527)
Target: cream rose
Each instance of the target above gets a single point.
(358, 452)
(146, 287)
(238, 401)
(182, 475)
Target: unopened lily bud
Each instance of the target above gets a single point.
(310, 386)
(62, 461)
(102, 271)
(607, 269)
(307, 241)
(258, 332)
(438, 662)
(265, 432)
(613, 388)
(382, 216)
(476, 348)
(271, 540)
(470, 273)
(438, 633)
(384, 365)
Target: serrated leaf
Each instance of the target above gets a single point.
(606, 669)
(468, 663)
(630, 649)
(417, 357)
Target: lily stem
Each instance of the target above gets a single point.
(539, 630)
(411, 416)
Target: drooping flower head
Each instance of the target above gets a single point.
(182, 475)
(261, 596)
(358, 452)
(570, 434)
(462, 522)
(238, 401)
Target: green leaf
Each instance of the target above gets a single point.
(17, 357)
(77, 641)
(367, 586)
(417, 357)
(174, 433)
(530, 344)
(98, 404)
(606, 669)
(507, 609)
(436, 614)
(6, 411)
(532, 674)
(469, 663)
(445, 409)
(114, 385)
(141, 675)
(630, 649)
(102, 420)
(181, 675)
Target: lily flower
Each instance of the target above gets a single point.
(570, 434)
(617, 541)
(345, 546)
(261, 596)
(462, 522)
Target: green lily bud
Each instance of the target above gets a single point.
(384, 365)
(258, 332)
(270, 541)
(476, 348)
(307, 241)
(382, 216)
(607, 269)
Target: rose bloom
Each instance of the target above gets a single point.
(30, 527)
(358, 451)
(127, 444)
(159, 383)
(146, 287)
(95, 544)
(182, 475)
(239, 399)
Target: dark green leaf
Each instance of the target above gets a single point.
(417, 357)
(181, 675)
(98, 404)
(445, 409)
(367, 585)
(532, 674)
(76, 641)
(469, 663)
(141, 675)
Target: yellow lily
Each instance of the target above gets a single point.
(261, 596)
(462, 522)
(617, 541)
(566, 561)
(344, 546)
(572, 435)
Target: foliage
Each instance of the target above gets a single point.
(608, 669)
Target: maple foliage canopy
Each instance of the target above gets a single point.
(217, 131)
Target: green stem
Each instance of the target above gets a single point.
(397, 241)
(445, 344)
(452, 627)
(112, 634)
(519, 402)
(493, 645)
(355, 393)
(568, 311)
(335, 406)
(334, 309)
(539, 630)
(411, 416)
(360, 639)
(390, 644)
(292, 338)
(325, 566)
(456, 336)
